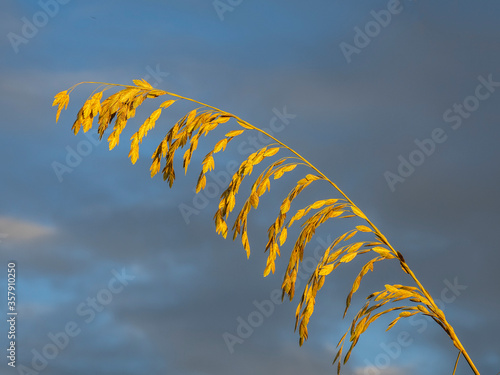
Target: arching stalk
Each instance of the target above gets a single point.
(121, 106)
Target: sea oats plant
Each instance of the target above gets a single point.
(121, 106)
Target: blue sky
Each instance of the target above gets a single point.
(429, 73)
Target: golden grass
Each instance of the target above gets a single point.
(186, 133)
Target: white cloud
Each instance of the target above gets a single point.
(14, 230)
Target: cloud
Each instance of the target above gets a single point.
(373, 370)
(353, 120)
(22, 230)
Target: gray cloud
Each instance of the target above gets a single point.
(353, 121)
